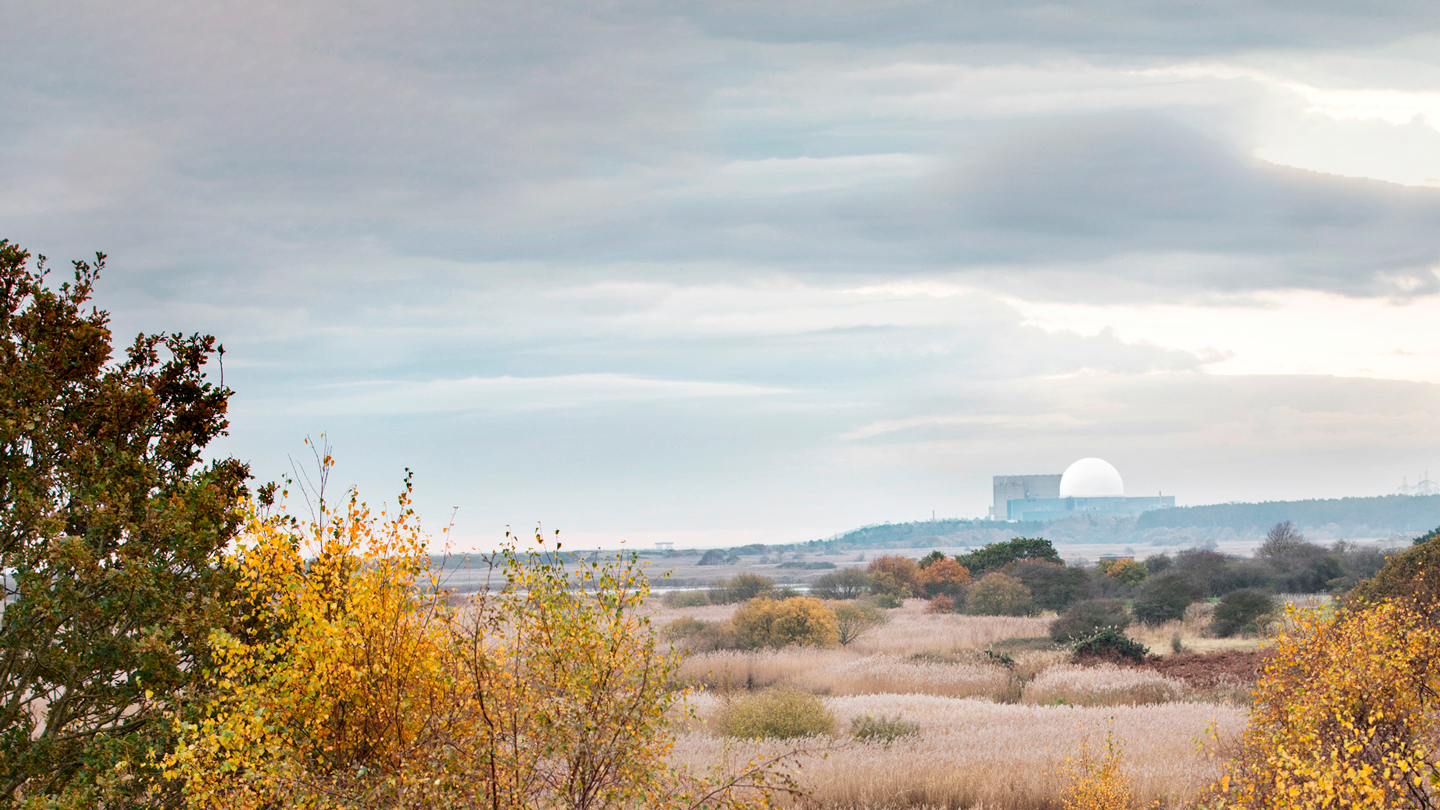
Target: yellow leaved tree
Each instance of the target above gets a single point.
(354, 683)
(1344, 715)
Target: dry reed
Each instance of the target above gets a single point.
(1105, 685)
(976, 753)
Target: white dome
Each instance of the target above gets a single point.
(1091, 478)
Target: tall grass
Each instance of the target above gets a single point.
(842, 672)
(976, 753)
(1105, 685)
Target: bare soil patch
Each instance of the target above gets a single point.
(1204, 670)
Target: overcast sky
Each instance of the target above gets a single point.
(727, 271)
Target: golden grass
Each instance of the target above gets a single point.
(842, 672)
(976, 753)
(1104, 685)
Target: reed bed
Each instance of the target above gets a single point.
(841, 672)
(1105, 685)
(912, 630)
(972, 753)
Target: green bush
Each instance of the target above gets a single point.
(855, 619)
(742, 588)
(1241, 612)
(776, 713)
(683, 627)
(883, 729)
(1164, 599)
(1085, 619)
(679, 599)
(847, 583)
(1110, 644)
(997, 594)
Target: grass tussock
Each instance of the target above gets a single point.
(970, 753)
(778, 714)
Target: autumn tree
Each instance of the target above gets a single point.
(353, 684)
(111, 531)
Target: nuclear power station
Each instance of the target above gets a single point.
(1090, 486)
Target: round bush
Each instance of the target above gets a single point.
(1241, 611)
(776, 713)
(1085, 619)
(1164, 599)
(847, 583)
(1110, 645)
(998, 594)
(803, 620)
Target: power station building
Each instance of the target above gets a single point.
(1090, 486)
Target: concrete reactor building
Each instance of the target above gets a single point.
(1090, 486)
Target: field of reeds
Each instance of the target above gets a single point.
(991, 711)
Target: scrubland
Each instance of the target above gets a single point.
(995, 707)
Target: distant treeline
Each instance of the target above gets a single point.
(920, 532)
(1396, 513)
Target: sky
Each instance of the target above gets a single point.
(728, 272)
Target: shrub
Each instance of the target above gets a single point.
(1344, 715)
(776, 714)
(1085, 619)
(803, 620)
(941, 604)
(855, 619)
(1164, 599)
(998, 594)
(998, 555)
(1099, 782)
(883, 729)
(944, 577)
(742, 588)
(895, 575)
(1412, 576)
(847, 583)
(1124, 570)
(679, 599)
(712, 557)
(683, 627)
(1242, 611)
(1053, 586)
(1109, 644)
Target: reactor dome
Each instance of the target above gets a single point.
(1091, 478)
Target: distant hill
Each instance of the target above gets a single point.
(1387, 513)
(951, 532)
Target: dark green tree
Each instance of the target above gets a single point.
(1164, 599)
(111, 534)
(998, 555)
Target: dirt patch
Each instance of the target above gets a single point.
(1203, 670)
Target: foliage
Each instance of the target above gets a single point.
(944, 577)
(882, 729)
(712, 557)
(802, 620)
(998, 594)
(1412, 576)
(855, 619)
(1109, 644)
(111, 533)
(1124, 570)
(776, 714)
(1156, 563)
(998, 555)
(941, 604)
(846, 583)
(742, 588)
(1164, 599)
(930, 559)
(351, 684)
(1242, 611)
(894, 575)
(683, 627)
(1053, 586)
(1085, 619)
(682, 599)
(1344, 715)
(1099, 782)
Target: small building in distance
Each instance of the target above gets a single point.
(1090, 486)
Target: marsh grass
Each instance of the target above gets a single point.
(971, 753)
(1104, 685)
